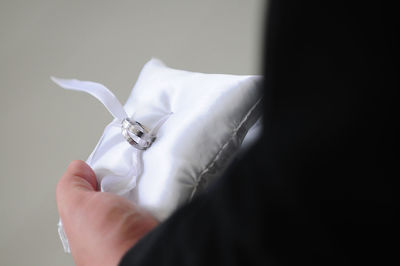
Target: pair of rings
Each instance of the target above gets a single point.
(136, 134)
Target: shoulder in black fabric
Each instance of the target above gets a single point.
(317, 189)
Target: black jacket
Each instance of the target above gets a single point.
(318, 187)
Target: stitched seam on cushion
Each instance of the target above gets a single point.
(234, 133)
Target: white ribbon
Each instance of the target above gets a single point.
(97, 90)
(108, 99)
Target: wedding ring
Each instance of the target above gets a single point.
(136, 134)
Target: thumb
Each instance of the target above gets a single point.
(78, 182)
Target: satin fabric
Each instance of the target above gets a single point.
(208, 116)
(199, 120)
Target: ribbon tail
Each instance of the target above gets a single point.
(97, 90)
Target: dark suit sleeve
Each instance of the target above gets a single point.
(318, 187)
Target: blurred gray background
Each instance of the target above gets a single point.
(44, 127)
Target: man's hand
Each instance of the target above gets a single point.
(100, 226)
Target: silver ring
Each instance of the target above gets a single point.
(136, 134)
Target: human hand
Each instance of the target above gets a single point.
(100, 226)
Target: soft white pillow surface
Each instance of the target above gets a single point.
(199, 120)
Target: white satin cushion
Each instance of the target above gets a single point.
(200, 121)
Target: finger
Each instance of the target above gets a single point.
(78, 181)
(81, 169)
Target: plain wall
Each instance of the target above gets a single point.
(44, 127)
